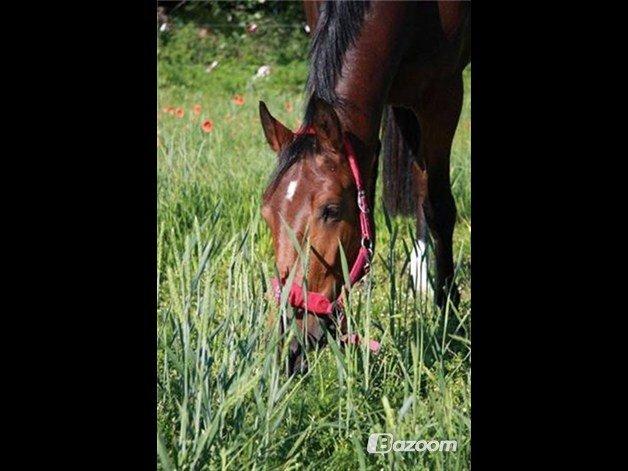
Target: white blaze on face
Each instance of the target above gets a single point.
(292, 187)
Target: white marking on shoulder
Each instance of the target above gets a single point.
(292, 187)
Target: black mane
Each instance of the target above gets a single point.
(338, 27)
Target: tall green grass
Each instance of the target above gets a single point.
(224, 401)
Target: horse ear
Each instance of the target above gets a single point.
(327, 124)
(276, 133)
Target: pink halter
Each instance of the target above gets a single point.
(318, 303)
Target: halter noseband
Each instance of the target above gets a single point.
(318, 303)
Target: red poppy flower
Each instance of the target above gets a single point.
(207, 125)
(238, 100)
(197, 110)
(180, 112)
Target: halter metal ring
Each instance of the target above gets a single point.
(367, 244)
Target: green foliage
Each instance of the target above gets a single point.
(223, 401)
(192, 43)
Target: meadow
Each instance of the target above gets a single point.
(224, 401)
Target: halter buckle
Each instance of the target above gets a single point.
(368, 245)
(362, 201)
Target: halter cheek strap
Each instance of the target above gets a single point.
(318, 303)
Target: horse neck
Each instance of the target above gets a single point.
(369, 67)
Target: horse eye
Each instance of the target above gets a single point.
(330, 212)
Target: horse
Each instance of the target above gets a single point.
(380, 63)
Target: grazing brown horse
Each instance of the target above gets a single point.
(399, 60)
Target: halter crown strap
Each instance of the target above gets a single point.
(317, 302)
